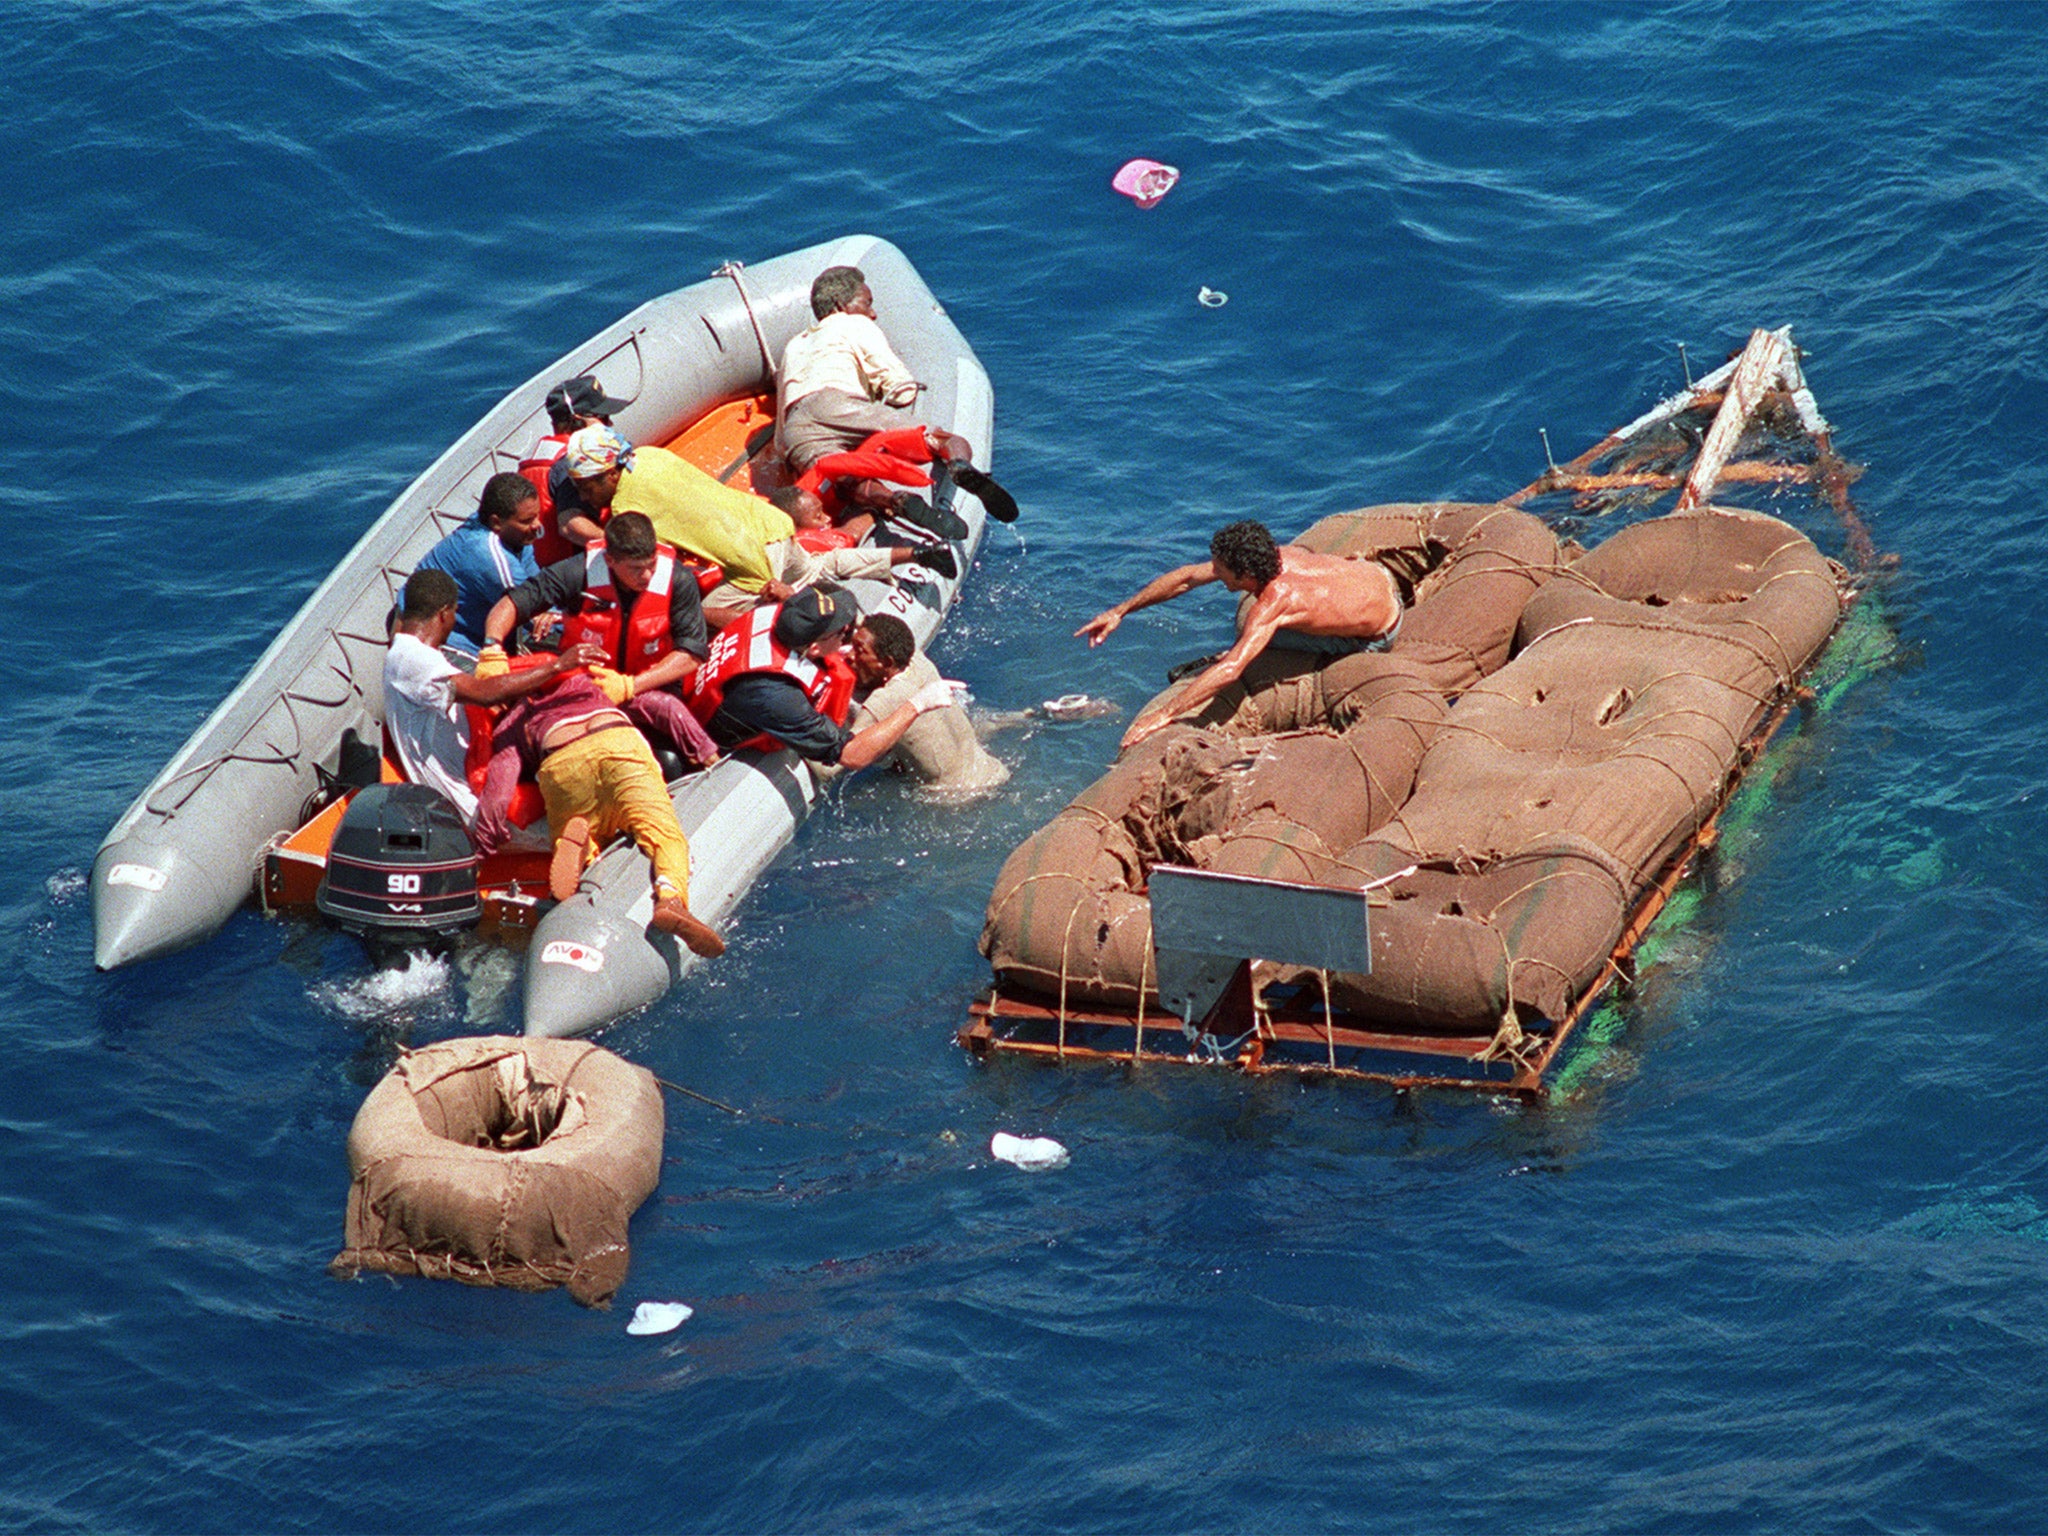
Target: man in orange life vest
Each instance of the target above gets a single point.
(597, 777)
(630, 595)
(780, 678)
(565, 524)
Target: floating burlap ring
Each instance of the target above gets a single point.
(503, 1161)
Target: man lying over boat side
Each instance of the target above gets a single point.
(752, 538)
(941, 747)
(819, 553)
(629, 595)
(489, 555)
(597, 777)
(779, 677)
(842, 383)
(1300, 599)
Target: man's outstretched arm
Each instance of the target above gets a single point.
(1267, 616)
(1159, 589)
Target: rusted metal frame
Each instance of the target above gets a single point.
(979, 1038)
(1680, 865)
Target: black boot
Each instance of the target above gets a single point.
(1001, 505)
(919, 513)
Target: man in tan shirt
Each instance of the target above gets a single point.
(842, 382)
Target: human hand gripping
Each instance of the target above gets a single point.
(1148, 723)
(615, 686)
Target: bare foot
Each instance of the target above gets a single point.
(572, 849)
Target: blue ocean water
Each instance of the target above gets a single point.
(1779, 1266)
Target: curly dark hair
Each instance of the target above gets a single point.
(835, 288)
(1248, 549)
(894, 642)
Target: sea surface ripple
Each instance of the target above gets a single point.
(1779, 1266)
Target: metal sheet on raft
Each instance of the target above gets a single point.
(1204, 925)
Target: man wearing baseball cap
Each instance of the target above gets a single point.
(781, 678)
(571, 405)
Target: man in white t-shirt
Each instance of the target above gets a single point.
(424, 691)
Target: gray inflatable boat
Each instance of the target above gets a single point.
(183, 858)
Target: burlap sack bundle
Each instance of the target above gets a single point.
(1561, 786)
(1752, 578)
(1623, 733)
(1459, 946)
(504, 1161)
(1068, 915)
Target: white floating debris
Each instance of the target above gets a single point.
(1209, 298)
(659, 1317)
(1076, 706)
(1034, 1154)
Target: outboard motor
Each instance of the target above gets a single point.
(401, 872)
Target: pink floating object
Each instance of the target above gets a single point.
(1144, 182)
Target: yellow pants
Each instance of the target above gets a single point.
(613, 779)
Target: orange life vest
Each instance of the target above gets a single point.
(550, 546)
(646, 639)
(822, 541)
(527, 806)
(751, 646)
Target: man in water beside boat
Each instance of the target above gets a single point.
(941, 748)
(489, 555)
(597, 776)
(842, 384)
(1298, 599)
(753, 540)
(780, 675)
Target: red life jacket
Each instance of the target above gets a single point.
(646, 639)
(527, 806)
(751, 646)
(822, 541)
(550, 546)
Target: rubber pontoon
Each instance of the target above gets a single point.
(181, 860)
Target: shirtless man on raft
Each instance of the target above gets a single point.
(1325, 603)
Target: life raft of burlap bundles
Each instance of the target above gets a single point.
(1560, 787)
(504, 1161)
(1281, 772)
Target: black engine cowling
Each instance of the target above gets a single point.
(401, 867)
